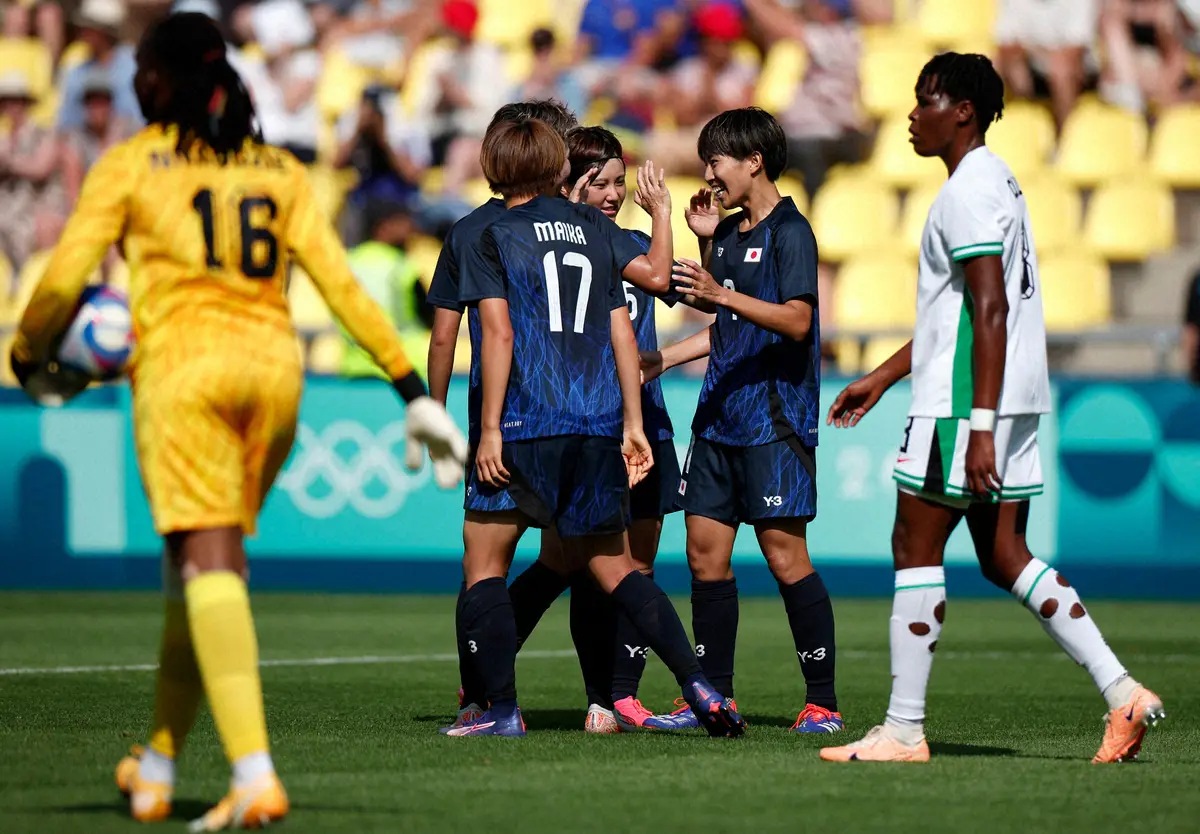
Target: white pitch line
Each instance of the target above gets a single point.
(386, 660)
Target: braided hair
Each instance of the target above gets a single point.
(209, 104)
(966, 78)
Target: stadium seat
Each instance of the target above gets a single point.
(309, 311)
(894, 161)
(509, 24)
(1055, 212)
(477, 191)
(853, 216)
(1130, 220)
(76, 53)
(782, 70)
(682, 189)
(325, 354)
(873, 292)
(945, 22)
(1076, 291)
(1024, 137)
(877, 352)
(889, 73)
(340, 86)
(916, 211)
(1100, 142)
(793, 187)
(30, 58)
(1174, 155)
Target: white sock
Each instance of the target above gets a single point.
(251, 768)
(1051, 599)
(918, 609)
(155, 767)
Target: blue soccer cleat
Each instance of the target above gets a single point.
(489, 724)
(814, 719)
(712, 712)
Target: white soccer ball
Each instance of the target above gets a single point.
(100, 339)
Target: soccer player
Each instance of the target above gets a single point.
(752, 457)
(209, 216)
(978, 361)
(560, 388)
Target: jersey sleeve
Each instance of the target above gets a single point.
(795, 252)
(481, 271)
(443, 288)
(317, 248)
(97, 222)
(972, 222)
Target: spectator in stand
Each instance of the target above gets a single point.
(701, 87)
(1191, 331)
(1145, 45)
(32, 200)
(547, 79)
(464, 85)
(100, 23)
(825, 123)
(101, 129)
(380, 34)
(43, 20)
(1047, 41)
(619, 42)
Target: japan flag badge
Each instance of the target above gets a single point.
(753, 255)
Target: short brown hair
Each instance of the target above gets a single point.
(522, 158)
(591, 146)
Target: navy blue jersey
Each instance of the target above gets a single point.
(655, 420)
(555, 264)
(761, 386)
(444, 293)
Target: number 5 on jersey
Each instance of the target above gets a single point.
(554, 294)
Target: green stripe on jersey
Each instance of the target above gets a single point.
(975, 250)
(962, 388)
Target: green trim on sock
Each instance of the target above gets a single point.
(1029, 593)
(915, 587)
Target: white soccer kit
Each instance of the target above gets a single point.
(979, 211)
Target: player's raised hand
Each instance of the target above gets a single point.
(488, 463)
(639, 459)
(652, 193)
(980, 468)
(691, 279)
(428, 425)
(702, 214)
(855, 401)
(581, 185)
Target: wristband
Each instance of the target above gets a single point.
(410, 387)
(983, 419)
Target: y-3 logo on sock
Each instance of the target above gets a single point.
(815, 654)
(471, 645)
(637, 651)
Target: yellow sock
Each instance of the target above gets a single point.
(227, 654)
(179, 690)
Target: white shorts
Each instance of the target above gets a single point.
(933, 455)
(1047, 24)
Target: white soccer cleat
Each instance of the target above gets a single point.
(600, 721)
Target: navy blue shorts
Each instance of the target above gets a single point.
(655, 496)
(575, 484)
(749, 483)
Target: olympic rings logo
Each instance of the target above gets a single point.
(358, 469)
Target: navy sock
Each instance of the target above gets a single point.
(592, 626)
(714, 625)
(810, 614)
(491, 634)
(658, 624)
(473, 689)
(532, 593)
(629, 661)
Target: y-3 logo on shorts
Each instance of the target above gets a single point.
(773, 500)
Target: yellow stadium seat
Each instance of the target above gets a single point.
(510, 24)
(1024, 137)
(682, 189)
(76, 53)
(30, 58)
(1100, 142)
(325, 354)
(790, 186)
(747, 53)
(423, 252)
(518, 64)
(1076, 291)
(340, 87)
(889, 73)
(1130, 220)
(878, 351)
(1174, 153)
(873, 292)
(432, 179)
(895, 161)
(945, 22)
(1055, 212)
(7, 380)
(419, 77)
(851, 216)
(477, 191)
(916, 212)
(782, 70)
(668, 320)
(309, 311)
(6, 287)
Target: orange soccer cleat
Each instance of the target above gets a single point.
(1126, 727)
(877, 746)
(256, 805)
(148, 801)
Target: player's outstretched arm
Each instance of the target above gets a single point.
(496, 363)
(96, 224)
(636, 447)
(985, 282)
(860, 396)
(656, 362)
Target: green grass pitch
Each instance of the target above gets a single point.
(1012, 727)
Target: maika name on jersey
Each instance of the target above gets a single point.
(560, 231)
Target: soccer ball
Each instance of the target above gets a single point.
(100, 339)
